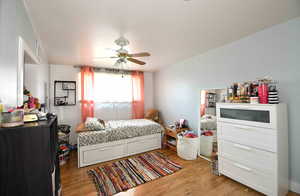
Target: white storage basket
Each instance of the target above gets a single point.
(187, 148)
(206, 145)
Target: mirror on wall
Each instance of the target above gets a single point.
(27, 63)
(208, 120)
(35, 80)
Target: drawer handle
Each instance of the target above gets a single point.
(242, 127)
(242, 147)
(243, 167)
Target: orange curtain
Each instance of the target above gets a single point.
(138, 95)
(87, 89)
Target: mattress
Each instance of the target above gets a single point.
(118, 130)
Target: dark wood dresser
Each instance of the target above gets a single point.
(29, 161)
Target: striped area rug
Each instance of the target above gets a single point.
(125, 174)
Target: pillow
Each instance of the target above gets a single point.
(93, 124)
(151, 114)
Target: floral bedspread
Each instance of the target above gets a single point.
(118, 130)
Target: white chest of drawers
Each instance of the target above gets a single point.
(253, 145)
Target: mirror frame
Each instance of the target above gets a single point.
(22, 50)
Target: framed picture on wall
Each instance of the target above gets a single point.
(64, 93)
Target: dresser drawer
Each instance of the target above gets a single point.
(255, 158)
(262, 138)
(244, 174)
(251, 115)
(143, 144)
(103, 154)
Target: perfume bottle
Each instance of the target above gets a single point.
(263, 92)
(230, 94)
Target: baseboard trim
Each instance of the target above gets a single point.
(295, 186)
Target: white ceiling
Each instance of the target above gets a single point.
(75, 31)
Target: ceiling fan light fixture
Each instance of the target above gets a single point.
(122, 41)
(117, 64)
(120, 62)
(122, 50)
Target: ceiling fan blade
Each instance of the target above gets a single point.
(109, 57)
(136, 61)
(111, 49)
(142, 54)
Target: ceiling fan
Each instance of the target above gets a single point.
(122, 54)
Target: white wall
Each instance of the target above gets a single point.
(14, 22)
(72, 114)
(8, 52)
(149, 90)
(274, 51)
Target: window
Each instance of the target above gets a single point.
(112, 87)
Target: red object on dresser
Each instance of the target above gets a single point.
(263, 92)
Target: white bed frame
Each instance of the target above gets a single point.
(92, 154)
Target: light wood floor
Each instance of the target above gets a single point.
(193, 180)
